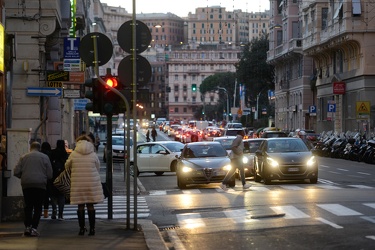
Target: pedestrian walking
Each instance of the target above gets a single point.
(148, 135)
(153, 134)
(97, 142)
(34, 169)
(46, 149)
(86, 188)
(237, 148)
(59, 157)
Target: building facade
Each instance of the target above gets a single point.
(293, 91)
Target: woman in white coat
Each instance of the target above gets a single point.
(86, 188)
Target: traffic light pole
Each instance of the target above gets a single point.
(134, 68)
(127, 106)
(109, 166)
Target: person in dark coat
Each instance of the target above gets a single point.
(148, 135)
(59, 157)
(153, 134)
(34, 169)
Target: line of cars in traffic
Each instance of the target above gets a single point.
(273, 157)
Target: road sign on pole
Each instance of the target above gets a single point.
(36, 91)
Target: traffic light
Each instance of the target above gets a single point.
(94, 95)
(112, 103)
(194, 87)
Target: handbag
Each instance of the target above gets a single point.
(105, 190)
(62, 183)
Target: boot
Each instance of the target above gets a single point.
(53, 215)
(45, 213)
(81, 222)
(91, 221)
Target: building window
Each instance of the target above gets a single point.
(176, 99)
(176, 77)
(176, 110)
(176, 88)
(279, 37)
(184, 88)
(193, 99)
(324, 18)
(185, 110)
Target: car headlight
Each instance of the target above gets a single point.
(311, 162)
(272, 162)
(245, 160)
(227, 167)
(186, 169)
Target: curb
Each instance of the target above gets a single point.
(152, 235)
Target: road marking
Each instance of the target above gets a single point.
(324, 166)
(333, 172)
(327, 182)
(372, 205)
(328, 186)
(290, 212)
(177, 244)
(363, 173)
(292, 187)
(158, 192)
(257, 188)
(371, 237)
(341, 169)
(369, 218)
(190, 220)
(361, 186)
(329, 223)
(239, 215)
(338, 209)
(191, 191)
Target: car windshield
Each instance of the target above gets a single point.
(227, 143)
(174, 147)
(251, 146)
(120, 141)
(208, 150)
(280, 146)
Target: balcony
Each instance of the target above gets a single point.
(295, 45)
(284, 86)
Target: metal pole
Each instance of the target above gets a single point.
(227, 105)
(109, 167)
(134, 53)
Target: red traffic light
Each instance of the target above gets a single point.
(111, 81)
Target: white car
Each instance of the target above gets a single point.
(157, 157)
(118, 150)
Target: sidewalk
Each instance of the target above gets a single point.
(110, 234)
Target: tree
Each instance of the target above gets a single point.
(255, 73)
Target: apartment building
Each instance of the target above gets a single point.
(293, 92)
(339, 36)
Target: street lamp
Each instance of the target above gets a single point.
(257, 112)
(226, 92)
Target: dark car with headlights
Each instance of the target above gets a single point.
(285, 159)
(203, 163)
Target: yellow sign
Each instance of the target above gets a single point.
(2, 34)
(54, 84)
(363, 109)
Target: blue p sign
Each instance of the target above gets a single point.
(332, 108)
(312, 109)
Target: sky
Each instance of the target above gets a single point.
(183, 7)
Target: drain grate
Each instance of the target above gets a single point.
(169, 227)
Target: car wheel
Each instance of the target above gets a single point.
(159, 173)
(232, 182)
(257, 178)
(181, 183)
(267, 181)
(314, 180)
(132, 170)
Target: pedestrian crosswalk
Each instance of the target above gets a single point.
(329, 214)
(119, 209)
(256, 188)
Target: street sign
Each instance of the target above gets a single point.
(80, 104)
(104, 49)
(143, 70)
(331, 107)
(312, 110)
(35, 91)
(363, 109)
(54, 84)
(125, 34)
(72, 93)
(65, 77)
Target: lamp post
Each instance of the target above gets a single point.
(257, 112)
(226, 92)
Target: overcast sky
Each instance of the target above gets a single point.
(183, 7)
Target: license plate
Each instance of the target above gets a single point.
(293, 169)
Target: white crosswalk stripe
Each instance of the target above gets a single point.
(119, 208)
(288, 212)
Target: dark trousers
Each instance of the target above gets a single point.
(33, 199)
(236, 163)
